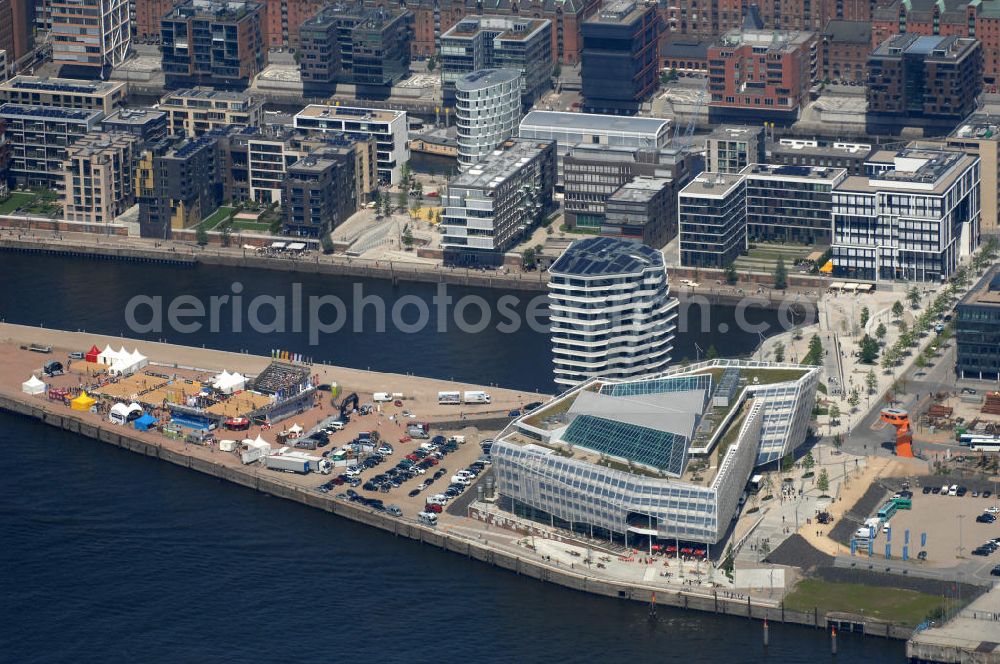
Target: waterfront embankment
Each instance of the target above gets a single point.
(179, 253)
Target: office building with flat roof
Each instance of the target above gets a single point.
(197, 111)
(760, 75)
(100, 177)
(643, 209)
(611, 312)
(213, 43)
(809, 152)
(389, 128)
(89, 37)
(977, 330)
(498, 42)
(620, 59)
(348, 42)
(790, 204)
(497, 201)
(927, 82)
(913, 218)
(712, 220)
(487, 111)
(38, 138)
(731, 148)
(147, 124)
(569, 129)
(659, 459)
(104, 96)
(980, 135)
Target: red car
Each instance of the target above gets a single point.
(413, 457)
(432, 461)
(399, 404)
(437, 509)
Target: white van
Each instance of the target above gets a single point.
(460, 479)
(476, 397)
(381, 397)
(429, 518)
(953, 491)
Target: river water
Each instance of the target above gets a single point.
(107, 556)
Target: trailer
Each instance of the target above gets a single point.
(452, 398)
(476, 396)
(288, 464)
(253, 450)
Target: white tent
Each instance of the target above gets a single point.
(229, 382)
(33, 385)
(261, 441)
(295, 430)
(138, 360)
(108, 356)
(119, 413)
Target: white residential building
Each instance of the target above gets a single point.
(611, 311)
(487, 110)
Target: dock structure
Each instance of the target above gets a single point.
(973, 635)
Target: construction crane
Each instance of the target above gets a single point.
(900, 419)
(685, 140)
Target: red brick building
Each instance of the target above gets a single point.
(147, 18)
(954, 18)
(844, 50)
(760, 75)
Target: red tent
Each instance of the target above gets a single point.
(92, 354)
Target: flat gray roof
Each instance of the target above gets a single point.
(595, 123)
(486, 78)
(712, 184)
(669, 412)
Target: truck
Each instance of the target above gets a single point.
(288, 464)
(381, 397)
(418, 430)
(450, 398)
(428, 518)
(476, 396)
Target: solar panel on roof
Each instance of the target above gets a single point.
(649, 447)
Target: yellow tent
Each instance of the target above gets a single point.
(828, 268)
(83, 402)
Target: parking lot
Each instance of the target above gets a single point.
(950, 523)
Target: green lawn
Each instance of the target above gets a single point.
(16, 200)
(251, 226)
(216, 218)
(896, 605)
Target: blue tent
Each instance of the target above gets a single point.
(144, 422)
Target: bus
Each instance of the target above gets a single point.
(450, 397)
(887, 511)
(903, 503)
(985, 446)
(969, 439)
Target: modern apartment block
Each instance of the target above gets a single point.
(177, 186)
(807, 152)
(100, 177)
(319, 194)
(731, 148)
(613, 458)
(593, 173)
(977, 330)
(389, 128)
(147, 124)
(790, 204)
(89, 37)
(215, 43)
(104, 96)
(643, 210)
(433, 18)
(346, 42)
(913, 218)
(612, 315)
(570, 129)
(197, 111)
(928, 82)
(497, 201)
(147, 18)
(487, 112)
(712, 220)
(38, 138)
(759, 75)
(498, 42)
(980, 135)
(620, 58)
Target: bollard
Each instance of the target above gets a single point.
(833, 641)
(767, 634)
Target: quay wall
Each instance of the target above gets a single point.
(476, 549)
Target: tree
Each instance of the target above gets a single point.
(838, 442)
(405, 173)
(880, 332)
(854, 400)
(730, 561)
(921, 361)
(201, 236)
(834, 413)
(557, 70)
(871, 381)
(712, 353)
(808, 462)
(888, 359)
(528, 259)
(764, 548)
(731, 275)
(401, 200)
(227, 232)
(787, 462)
(823, 481)
(913, 295)
(779, 352)
(407, 237)
(326, 243)
(431, 63)
(868, 350)
(897, 311)
(815, 354)
(780, 274)
(866, 316)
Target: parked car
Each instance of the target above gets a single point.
(961, 491)
(414, 493)
(936, 490)
(985, 518)
(926, 490)
(995, 571)
(433, 507)
(992, 509)
(922, 555)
